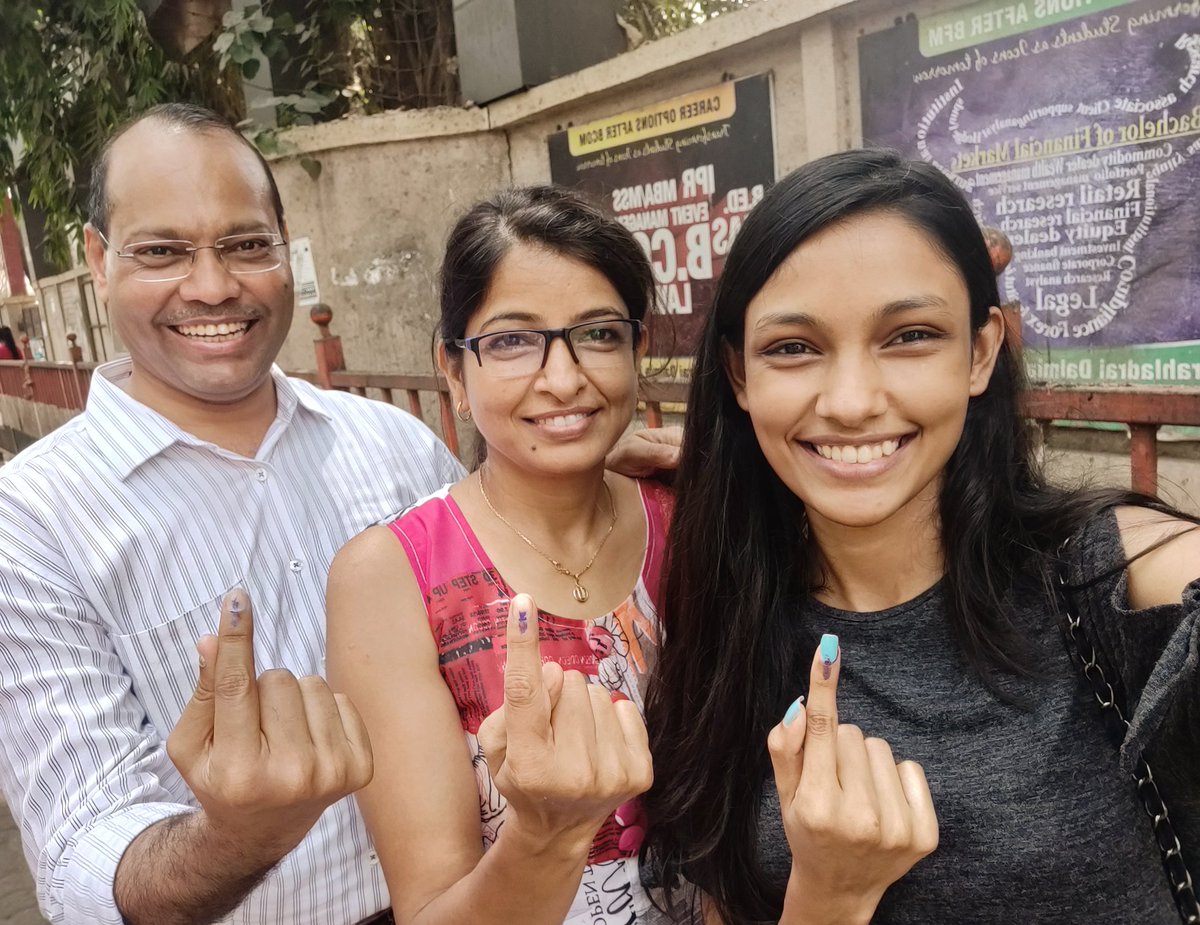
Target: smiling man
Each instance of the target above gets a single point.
(201, 488)
(186, 244)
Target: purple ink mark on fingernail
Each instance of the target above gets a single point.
(522, 621)
(235, 608)
(829, 653)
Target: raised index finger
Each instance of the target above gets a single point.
(236, 721)
(526, 703)
(820, 733)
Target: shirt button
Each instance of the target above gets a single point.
(296, 565)
(260, 474)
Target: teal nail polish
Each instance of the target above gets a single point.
(829, 653)
(793, 711)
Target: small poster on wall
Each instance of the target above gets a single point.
(681, 175)
(304, 272)
(1074, 127)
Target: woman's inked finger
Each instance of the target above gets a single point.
(526, 704)
(821, 715)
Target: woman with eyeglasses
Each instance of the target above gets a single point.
(505, 790)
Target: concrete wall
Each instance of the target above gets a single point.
(391, 185)
(377, 216)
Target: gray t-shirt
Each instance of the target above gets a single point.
(1039, 823)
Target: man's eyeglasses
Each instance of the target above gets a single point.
(167, 261)
(593, 345)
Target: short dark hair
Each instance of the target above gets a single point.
(551, 217)
(187, 116)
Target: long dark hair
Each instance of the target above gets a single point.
(739, 553)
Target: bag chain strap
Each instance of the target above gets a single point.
(1179, 878)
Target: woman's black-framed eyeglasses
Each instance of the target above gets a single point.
(592, 345)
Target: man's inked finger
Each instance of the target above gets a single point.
(237, 721)
(526, 704)
(821, 716)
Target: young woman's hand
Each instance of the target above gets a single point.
(856, 821)
(647, 452)
(560, 750)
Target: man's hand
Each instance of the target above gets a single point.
(264, 755)
(646, 452)
(856, 821)
(560, 750)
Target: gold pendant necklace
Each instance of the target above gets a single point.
(580, 593)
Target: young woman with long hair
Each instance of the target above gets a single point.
(524, 814)
(857, 481)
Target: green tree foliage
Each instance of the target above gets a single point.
(71, 70)
(658, 18)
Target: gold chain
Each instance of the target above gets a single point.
(580, 593)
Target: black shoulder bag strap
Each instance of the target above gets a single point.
(1083, 653)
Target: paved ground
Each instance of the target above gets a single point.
(17, 903)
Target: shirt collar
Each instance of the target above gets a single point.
(130, 434)
(289, 396)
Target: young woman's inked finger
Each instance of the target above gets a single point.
(821, 715)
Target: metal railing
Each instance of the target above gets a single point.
(1143, 411)
(63, 385)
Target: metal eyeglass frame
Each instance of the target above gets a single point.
(191, 250)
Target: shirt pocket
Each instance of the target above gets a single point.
(162, 662)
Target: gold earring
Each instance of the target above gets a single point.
(458, 413)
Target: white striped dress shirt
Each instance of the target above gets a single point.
(119, 534)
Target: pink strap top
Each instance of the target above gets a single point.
(466, 600)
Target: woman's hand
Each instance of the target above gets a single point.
(647, 452)
(560, 750)
(855, 820)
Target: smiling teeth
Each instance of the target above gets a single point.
(562, 420)
(864, 453)
(213, 330)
